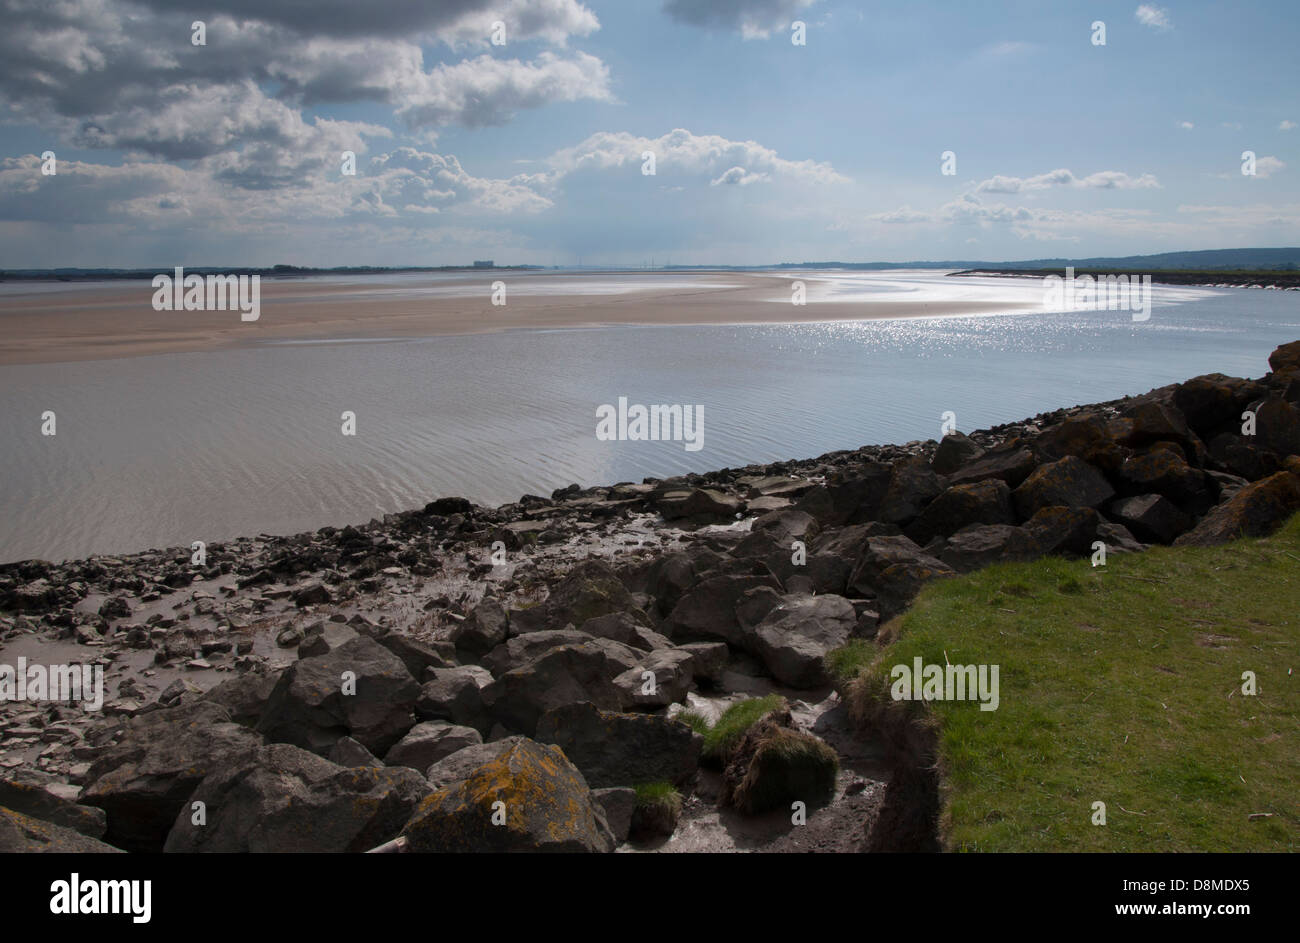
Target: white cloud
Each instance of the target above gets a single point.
(1148, 14)
(1286, 125)
(1103, 180)
(739, 176)
(1267, 166)
(1186, 125)
(680, 150)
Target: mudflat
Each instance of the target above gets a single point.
(117, 319)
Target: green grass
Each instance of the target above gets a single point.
(658, 794)
(721, 739)
(695, 720)
(1120, 684)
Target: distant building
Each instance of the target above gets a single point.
(484, 264)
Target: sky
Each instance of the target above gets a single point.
(515, 130)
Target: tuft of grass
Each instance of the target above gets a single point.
(658, 794)
(788, 766)
(721, 739)
(1120, 684)
(845, 663)
(695, 720)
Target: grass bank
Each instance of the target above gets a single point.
(1119, 684)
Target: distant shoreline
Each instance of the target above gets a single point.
(1284, 281)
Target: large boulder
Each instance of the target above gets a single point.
(627, 627)
(24, 834)
(662, 678)
(794, 637)
(893, 569)
(1084, 436)
(1011, 462)
(427, 743)
(616, 749)
(1063, 531)
(1214, 401)
(455, 695)
(1255, 511)
(668, 578)
(483, 629)
(244, 696)
(590, 589)
(953, 452)
(979, 545)
(143, 781)
(25, 792)
(1070, 482)
(539, 797)
(1151, 517)
(359, 689)
(460, 765)
(564, 675)
(708, 611)
(700, 505)
(1286, 358)
(1163, 470)
(912, 486)
(850, 496)
(981, 502)
(286, 799)
(527, 648)
(1277, 427)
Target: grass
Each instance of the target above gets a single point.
(658, 794)
(721, 739)
(1119, 684)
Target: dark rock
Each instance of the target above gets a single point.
(979, 545)
(564, 675)
(699, 504)
(456, 695)
(708, 611)
(1151, 517)
(912, 486)
(618, 804)
(793, 639)
(1011, 463)
(981, 502)
(590, 589)
(1070, 482)
(953, 452)
(893, 569)
(308, 706)
(485, 628)
(1255, 511)
(545, 802)
(428, 742)
(24, 793)
(347, 752)
(1212, 401)
(616, 749)
(1063, 531)
(23, 834)
(244, 696)
(775, 765)
(668, 578)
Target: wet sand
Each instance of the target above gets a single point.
(110, 320)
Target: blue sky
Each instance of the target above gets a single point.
(229, 153)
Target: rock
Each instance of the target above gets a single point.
(953, 452)
(1063, 531)
(981, 502)
(23, 793)
(618, 804)
(1164, 471)
(177, 690)
(347, 752)
(911, 487)
(616, 749)
(244, 696)
(1277, 427)
(589, 590)
(428, 742)
(793, 639)
(709, 660)
(1070, 482)
(627, 627)
(312, 646)
(1286, 358)
(850, 496)
(525, 649)
(23, 834)
(564, 675)
(1085, 436)
(456, 695)
(787, 525)
(485, 628)
(668, 578)
(663, 678)
(708, 612)
(893, 569)
(417, 656)
(115, 607)
(1255, 511)
(1011, 463)
(699, 504)
(775, 765)
(312, 593)
(143, 781)
(656, 814)
(546, 804)
(1118, 538)
(308, 706)
(460, 765)
(1152, 418)
(1151, 517)
(285, 799)
(1242, 457)
(1213, 401)
(289, 636)
(979, 545)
